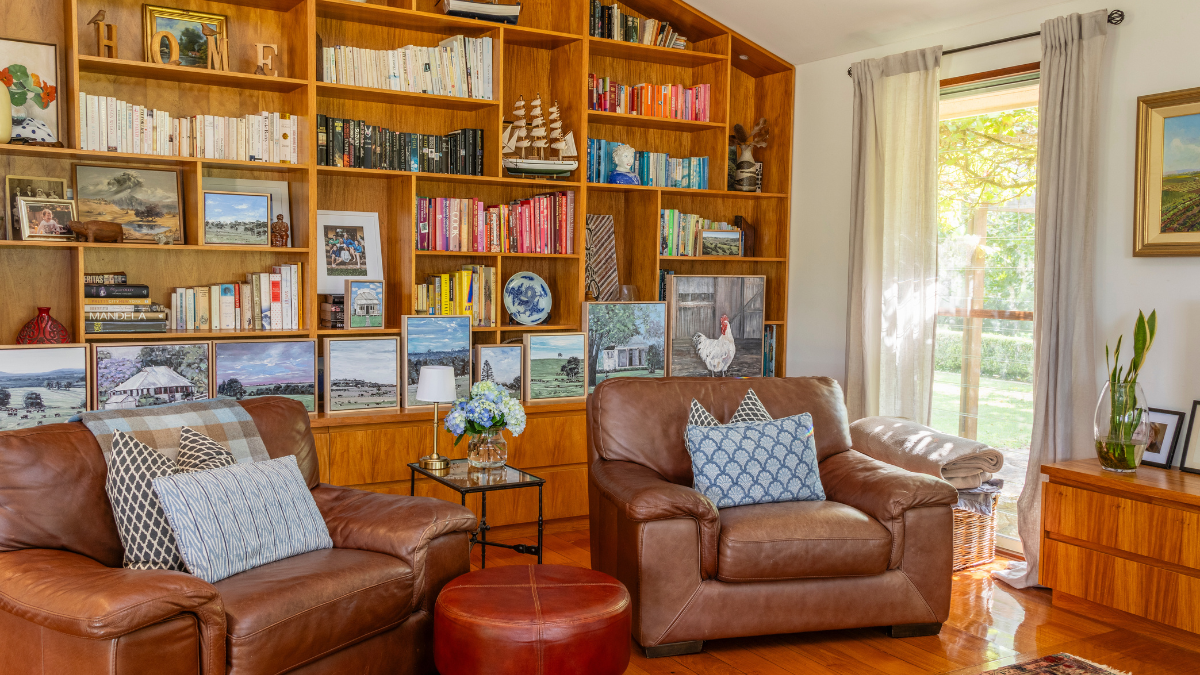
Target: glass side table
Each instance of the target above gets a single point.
(465, 479)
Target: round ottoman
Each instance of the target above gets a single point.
(532, 620)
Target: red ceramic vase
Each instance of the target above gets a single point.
(43, 329)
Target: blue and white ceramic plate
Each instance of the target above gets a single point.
(527, 298)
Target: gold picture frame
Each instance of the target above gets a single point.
(1165, 122)
(187, 41)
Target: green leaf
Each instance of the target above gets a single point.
(18, 97)
(1139, 345)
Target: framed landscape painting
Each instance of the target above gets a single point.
(42, 384)
(361, 374)
(1167, 190)
(186, 28)
(145, 202)
(256, 368)
(436, 341)
(625, 339)
(237, 218)
(500, 364)
(555, 367)
(716, 325)
(141, 375)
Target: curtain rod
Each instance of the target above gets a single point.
(1115, 17)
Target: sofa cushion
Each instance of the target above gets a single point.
(750, 410)
(796, 540)
(738, 464)
(290, 612)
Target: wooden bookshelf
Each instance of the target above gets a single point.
(549, 52)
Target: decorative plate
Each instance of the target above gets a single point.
(527, 298)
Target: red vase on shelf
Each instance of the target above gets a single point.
(43, 329)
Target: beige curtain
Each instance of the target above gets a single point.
(1064, 398)
(893, 236)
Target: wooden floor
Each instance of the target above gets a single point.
(990, 625)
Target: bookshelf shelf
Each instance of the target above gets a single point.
(185, 75)
(194, 335)
(372, 95)
(538, 38)
(648, 122)
(633, 51)
(398, 17)
(719, 258)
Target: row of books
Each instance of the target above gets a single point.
(656, 169)
(471, 290)
(265, 301)
(459, 66)
(540, 224)
(333, 311)
(679, 233)
(111, 125)
(615, 23)
(673, 101)
(354, 143)
(112, 305)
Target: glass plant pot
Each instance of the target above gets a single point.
(1122, 428)
(488, 451)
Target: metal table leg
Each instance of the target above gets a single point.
(483, 528)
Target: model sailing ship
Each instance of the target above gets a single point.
(522, 135)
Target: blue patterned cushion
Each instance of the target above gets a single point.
(756, 463)
(240, 517)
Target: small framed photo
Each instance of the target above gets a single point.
(721, 242)
(1167, 426)
(500, 364)
(435, 341)
(46, 219)
(186, 30)
(30, 72)
(30, 187)
(555, 367)
(146, 202)
(351, 249)
(361, 374)
(1190, 461)
(256, 368)
(152, 373)
(42, 384)
(237, 218)
(364, 304)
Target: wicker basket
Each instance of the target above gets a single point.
(974, 537)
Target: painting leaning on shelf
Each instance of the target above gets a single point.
(1181, 174)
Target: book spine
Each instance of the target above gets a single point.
(125, 327)
(276, 290)
(125, 316)
(119, 278)
(115, 291)
(247, 301)
(226, 307)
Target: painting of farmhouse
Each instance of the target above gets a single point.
(361, 374)
(364, 304)
(555, 366)
(436, 341)
(716, 325)
(285, 368)
(625, 339)
(41, 385)
(500, 364)
(137, 376)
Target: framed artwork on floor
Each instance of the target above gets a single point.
(153, 373)
(435, 341)
(256, 368)
(361, 374)
(716, 325)
(625, 339)
(555, 366)
(1166, 203)
(42, 384)
(500, 364)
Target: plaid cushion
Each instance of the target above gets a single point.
(225, 421)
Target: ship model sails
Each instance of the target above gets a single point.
(534, 133)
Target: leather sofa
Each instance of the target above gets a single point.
(877, 552)
(67, 605)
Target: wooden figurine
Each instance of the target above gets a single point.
(106, 36)
(98, 230)
(156, 48)
(280, 232)
(266, 55)
(218, 57)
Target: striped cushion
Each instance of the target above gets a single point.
(237, 518)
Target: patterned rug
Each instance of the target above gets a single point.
(1056, 664)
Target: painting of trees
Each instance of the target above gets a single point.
(616, 324)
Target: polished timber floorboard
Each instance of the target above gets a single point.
(990, 625)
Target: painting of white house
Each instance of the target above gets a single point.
(625, 339)
(137, 376)
(364, 300)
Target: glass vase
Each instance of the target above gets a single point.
(1122, 428)
(488, 450)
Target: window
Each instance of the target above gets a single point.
(983, 379)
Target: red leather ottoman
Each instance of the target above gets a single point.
(532, 620)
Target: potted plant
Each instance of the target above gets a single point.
(484, 417)
(1122, 426)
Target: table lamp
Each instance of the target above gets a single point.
(436, 385)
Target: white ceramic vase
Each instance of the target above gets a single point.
(5, 117)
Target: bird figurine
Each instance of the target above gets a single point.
(717, 355)
(259, 70)
(99, 18)
(208, 32)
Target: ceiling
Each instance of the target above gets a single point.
(801, 31)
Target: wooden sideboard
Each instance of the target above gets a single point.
(1128, 542)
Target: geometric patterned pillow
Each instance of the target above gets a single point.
(749, 410)
(747, 463)
(145, 533)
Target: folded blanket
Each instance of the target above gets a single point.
(963, 463)
(981, 499)
(223, 420)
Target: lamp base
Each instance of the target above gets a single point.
(435, 463)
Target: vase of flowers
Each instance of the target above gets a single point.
(1122, 425)
(485, 416)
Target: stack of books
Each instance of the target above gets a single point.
(540, 224)
(264, 301)
(679, 233)
(458, 66)
(472, 290)
(662, 284)
(673, 101)
(111, 125)
(354, 143)
(655, 169)
(615, 23)
(112, 305)
(333, 311)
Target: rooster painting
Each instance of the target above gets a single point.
(716, 354)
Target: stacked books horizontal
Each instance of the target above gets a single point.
(471, 290)
(655, 169)
(333, 311)
(354, 143)
(615, 23)
(672, 101)
(540, 224)
(112, 305)
(265, 301)
(459, 66)
(111, 125)
(679, 233)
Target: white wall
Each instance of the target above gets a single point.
(1155, 50)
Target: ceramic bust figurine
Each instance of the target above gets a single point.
(622, 173)
(280, 232)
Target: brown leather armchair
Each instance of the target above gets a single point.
(67, 605)
(877, 552)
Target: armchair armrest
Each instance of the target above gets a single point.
(78, 596)
(882, 491)
(643, 495)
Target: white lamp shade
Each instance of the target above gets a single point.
(436, 385)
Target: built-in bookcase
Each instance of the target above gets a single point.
(549, 52)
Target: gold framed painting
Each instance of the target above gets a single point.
(1167, 191)
(179, 35)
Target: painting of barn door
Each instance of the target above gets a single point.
(716, 325)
